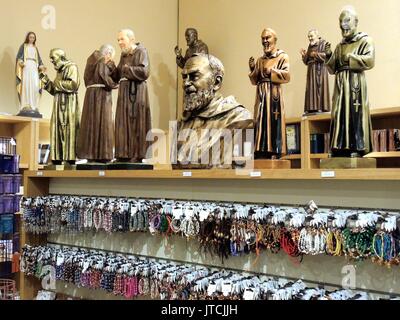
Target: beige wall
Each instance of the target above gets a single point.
(83, 26)
(230, 27)
(232, 30)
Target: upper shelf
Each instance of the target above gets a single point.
(14, 119)
(375, 114)
(291, 174)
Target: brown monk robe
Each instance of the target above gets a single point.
(96, 136)
(317, 91)
(268, 73)
(133, 117)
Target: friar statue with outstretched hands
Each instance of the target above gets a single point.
(268, 73)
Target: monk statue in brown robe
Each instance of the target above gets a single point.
(96, 136)
(351, 126)
(268, 73)
(132, 117)
(194, 46)
(317, 90)
(207, 132)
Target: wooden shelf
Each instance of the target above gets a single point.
(293, 120)
(393, 154)
(319, 156)
(14, 119)
(318, 117)
(24, 166)
(385, 112)
(292, 157)
(284, 174)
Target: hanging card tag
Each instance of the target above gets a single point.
(212, 288)
(227, 289)
(203, 215)
(248, 295)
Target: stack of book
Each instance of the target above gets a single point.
(320, 143)
(8, 146)
(386, 140)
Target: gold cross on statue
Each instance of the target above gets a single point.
(276, 113)
(357, 105)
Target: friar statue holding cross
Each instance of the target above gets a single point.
(268, 73)
(351, 128)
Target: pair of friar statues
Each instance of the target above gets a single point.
(204, 107)
(93, 136)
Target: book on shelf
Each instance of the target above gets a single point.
(383, 137)
(293, 139)
(44, 153)
(317, 142)
(327, 140)
(393, 140)
(397, 139)
(8, 146)
(386, 140)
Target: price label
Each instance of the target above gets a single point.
(255, 174)
(248, 295)
(211, 289)
(328, 174)
(187, 174)
(227, 289)
(102, 173)
(39, 173)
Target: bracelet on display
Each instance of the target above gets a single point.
(224, 229)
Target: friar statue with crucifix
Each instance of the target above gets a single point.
(351, 128)
(268, 73)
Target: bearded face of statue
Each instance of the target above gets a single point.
(268, 40)
(124, 42)
(313, 37)
(198, 84)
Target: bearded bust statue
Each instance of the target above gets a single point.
(212, 127)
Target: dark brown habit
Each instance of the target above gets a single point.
(270, 124)
(96, 136)
(317, 91)
(133, 117)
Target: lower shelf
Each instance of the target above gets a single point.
(393, 154)
(278, 174)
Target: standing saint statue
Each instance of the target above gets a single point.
(64, 123)
(96, 135)
(28, 66)
(194, 46)
(351, 127)
(268, 73)
(317, 89)
(133, 117)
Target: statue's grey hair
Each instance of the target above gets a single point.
(60, 52)
(129, 33)
(107, 49)
(215, 64)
